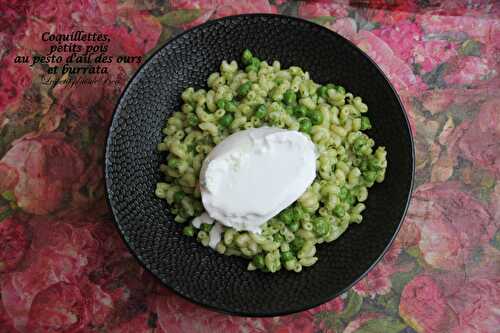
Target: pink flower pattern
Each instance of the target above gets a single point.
(423, 306)
(63, 266)
(479, 144)
(44, 167)
(461, 221)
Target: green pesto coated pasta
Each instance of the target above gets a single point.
(255, 93)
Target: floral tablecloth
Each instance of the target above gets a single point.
(63, 266)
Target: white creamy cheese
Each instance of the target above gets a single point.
(215, 235)
(203, 218)
(254, 174)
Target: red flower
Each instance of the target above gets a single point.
(390, 12)
(177, 315)
(302, 322)
(59, 308)
(100, 304)
(406, 39)
(391, 256)
(138, 324)
(31, 39)
(231, 7)
(147, 28)
(59, 252)
(80, 251)
(345, 26)
(81, 100)
(401, 38)
(438, 100)
(429, 54)
(477, 304)
(409, 235)
(376, 282)
(480, 143)
(468, 70)
(317, 8)
(487, 267)
(14, 243)
(399, 73)
(207, 8)
(13, 15)
(450, 224)
(212, 9)
(495, 204)
(15, 78)
(483, 28)
(423, 307)
(132, 32)
(123, 41)
(335, 305)
(117, 286)
(46, 168)
(5, 321)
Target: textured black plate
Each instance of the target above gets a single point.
(132, 166)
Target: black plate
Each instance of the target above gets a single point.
(132, 166)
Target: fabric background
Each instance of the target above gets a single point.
(63, 266)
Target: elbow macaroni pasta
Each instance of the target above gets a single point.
(267, 95)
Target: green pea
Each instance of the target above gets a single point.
(251, 68)
(370, 176)
(343, 193)
(297, 244)
(192, 120)
(255, 62)
(206, 227)
(247, 57)
(258, 261)
(340, 90)
(226, 120)
(230, 106)
(294, 226)
(173, 163)
(289, 110)
(359, 144)
(286, 256)
(373, 164)
(322, 91)
(316, 117)
(363, 165)
(350, 199)
(261, 111)
(289, 97)
(286, 216)
(178, 196)
(365, 123)
(221, 103)
(188, 231)
(299, 111)
(321, 226)
(278, 238)
(339, 211)
(305, 125)
(244, 89)
(298, 213)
